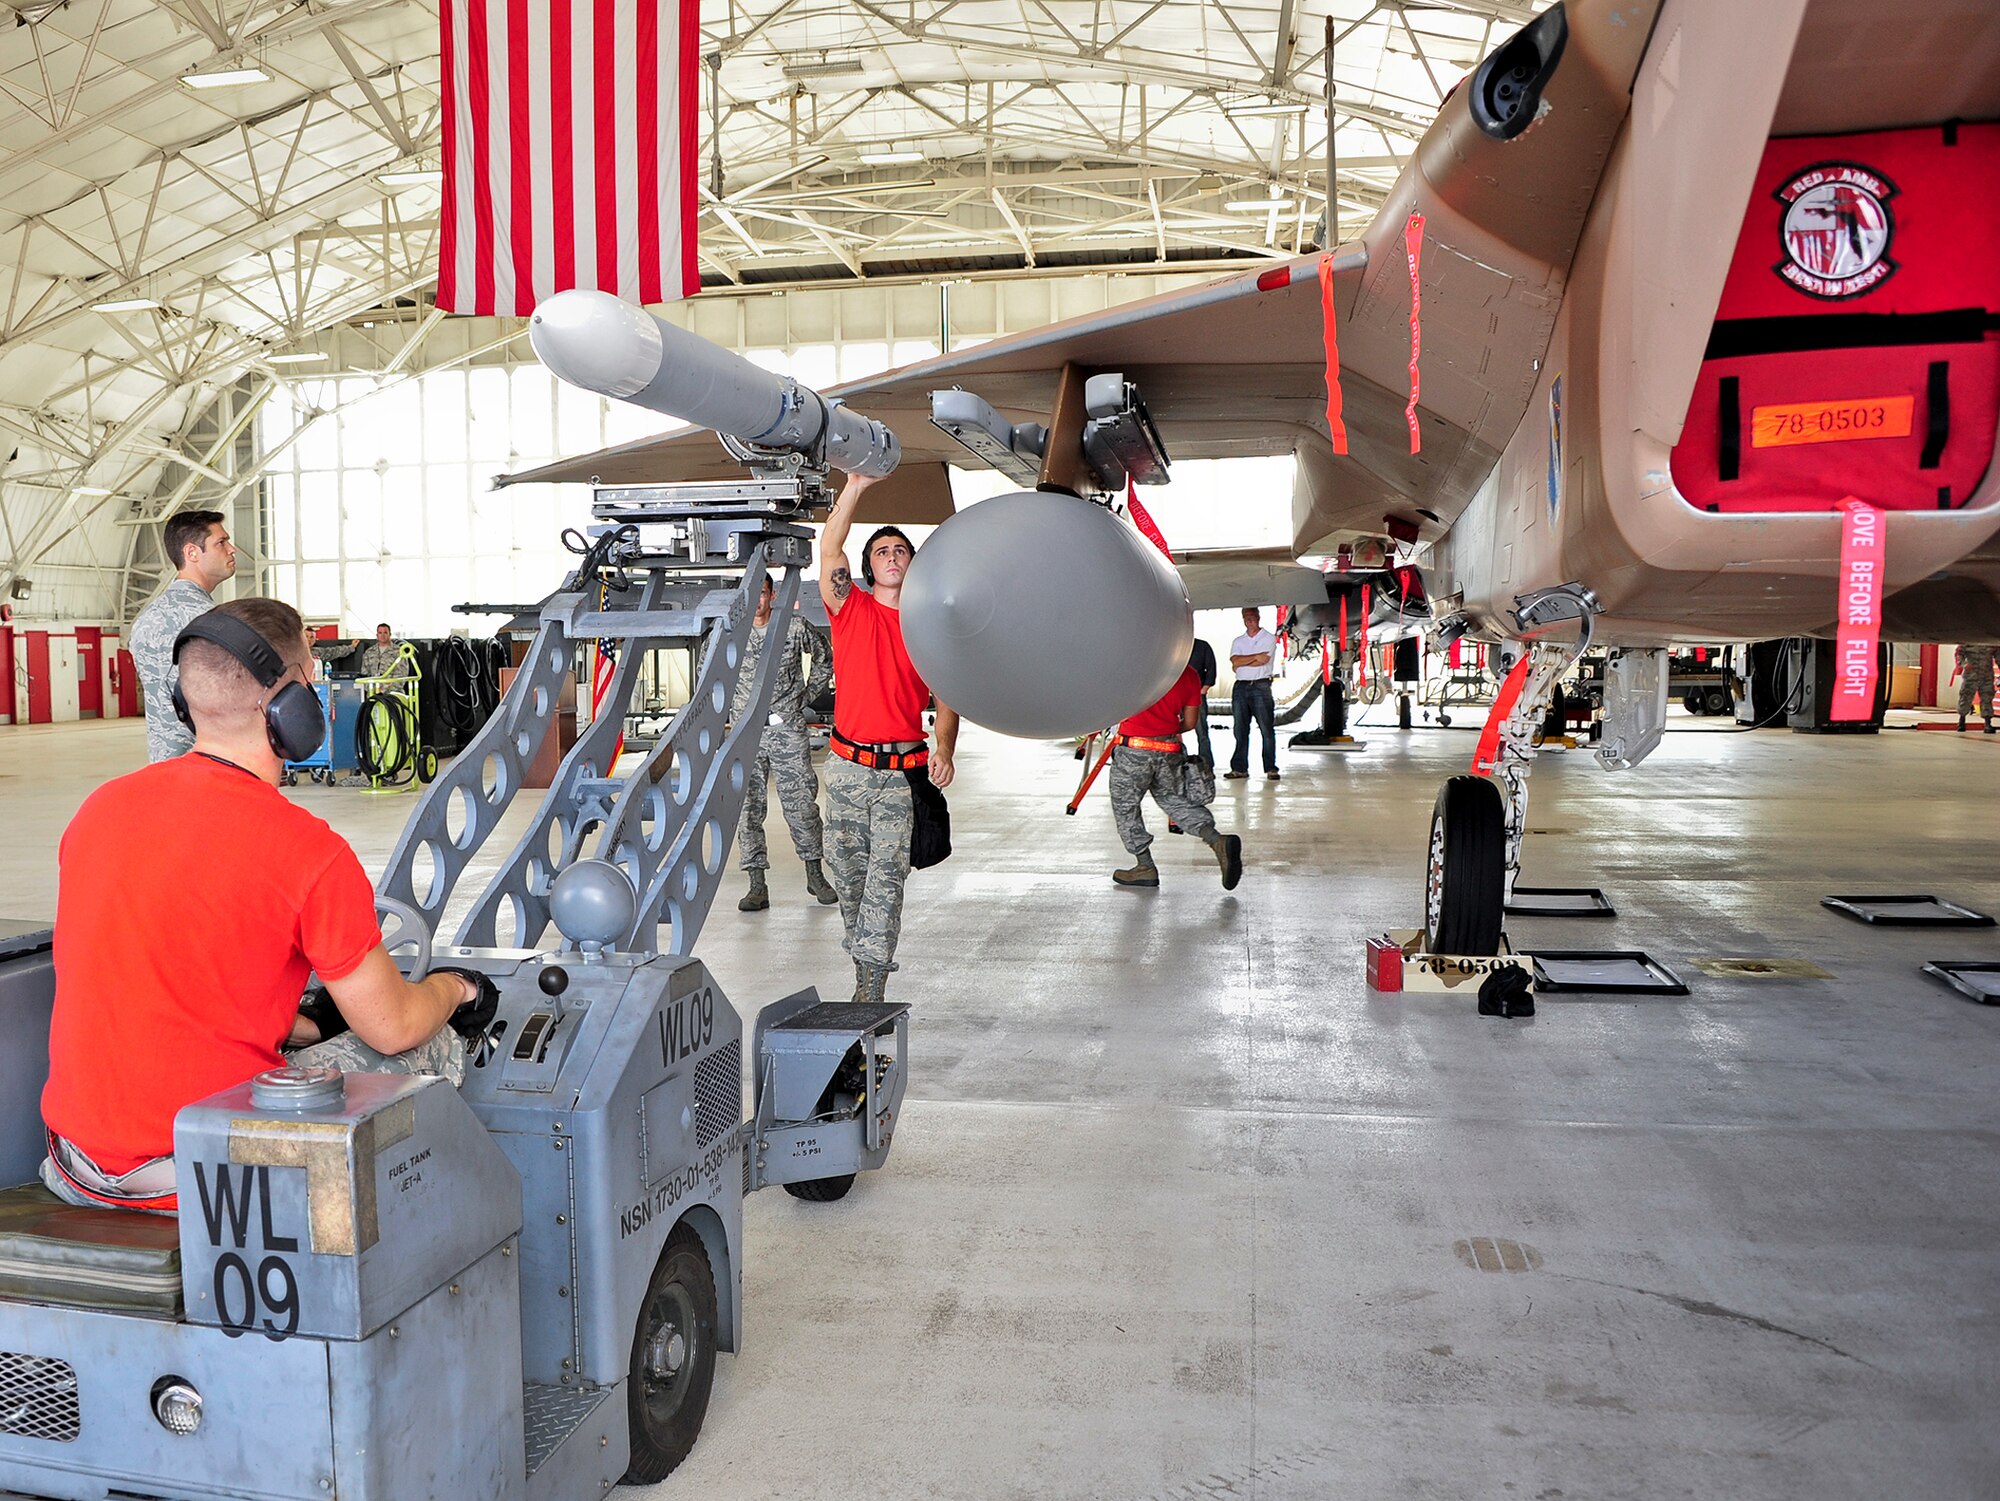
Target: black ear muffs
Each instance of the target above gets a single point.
(293, 720)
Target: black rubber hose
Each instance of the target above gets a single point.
(459, 671)
(398, 737)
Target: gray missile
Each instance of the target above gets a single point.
(593, 340)
(1041, 615)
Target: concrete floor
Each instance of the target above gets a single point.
(1179, 1209)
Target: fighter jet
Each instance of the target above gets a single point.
(1666, 287)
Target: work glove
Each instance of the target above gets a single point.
(473, 1017)
(1507, 992)
(318, 1008)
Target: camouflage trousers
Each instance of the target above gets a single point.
(869, 821)
(443, 1055)
(784, 754)
(1971, 686)
(1134, 773)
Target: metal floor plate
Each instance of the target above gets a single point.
(1899, 911)
(1560, 901)
(843, 1016)
(1604, 972)
(1976, 979)
(551, 1414)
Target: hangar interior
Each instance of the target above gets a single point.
(1182, 1206)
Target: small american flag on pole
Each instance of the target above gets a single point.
(569, 151)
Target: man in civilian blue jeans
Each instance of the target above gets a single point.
(1252, 654)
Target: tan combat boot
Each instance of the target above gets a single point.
(1141, 872)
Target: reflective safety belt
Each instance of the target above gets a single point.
(1148, 742)
(877, 757)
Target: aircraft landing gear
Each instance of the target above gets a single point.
(1465, 882)
(1477, 825)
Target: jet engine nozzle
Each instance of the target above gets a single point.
(593, 340)
(1041, 615)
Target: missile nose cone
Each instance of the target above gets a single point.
(593, 340)
(1041, 615)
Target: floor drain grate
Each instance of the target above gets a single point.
(1769, 969)
(1485, 1254)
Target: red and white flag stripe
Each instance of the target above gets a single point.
(569, 151)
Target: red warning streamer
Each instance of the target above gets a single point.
(1142, 519)
(1413, 244)
(1334, 425)
(1364, 636)
(1864, 557)
(1487, 756)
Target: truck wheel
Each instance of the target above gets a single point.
(673, 1359)
(1466, 871)
(821, 1190)
(1717, 701)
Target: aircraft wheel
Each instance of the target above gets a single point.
(1444, 719)
(1466, 871)
(1691, 701)
(821, 1190)
(673, 1359)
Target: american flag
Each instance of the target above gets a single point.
(569, 151)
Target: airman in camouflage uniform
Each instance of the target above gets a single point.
(1975, 666)
(1151, 758)
(197, 544)
(385, 659)
(783, 752)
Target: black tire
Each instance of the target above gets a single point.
(1691, 701)
(427, 765)
(665, 1401)
(1465, 873)
(821, 1190)
(1717, 701)
(322, 777)
(1444, 719)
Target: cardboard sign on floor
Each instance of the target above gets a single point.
(1398, 963)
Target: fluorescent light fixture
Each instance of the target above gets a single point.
(889, 158)
(294, 359)
(124, 305)
(1274, 107)
(820, 67)
(411, 177)
(90, 490)
(1258, 205)
(225, 78)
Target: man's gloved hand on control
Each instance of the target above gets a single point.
(473, 1017)
(318, 1008)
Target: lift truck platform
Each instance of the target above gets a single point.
(380, 1287)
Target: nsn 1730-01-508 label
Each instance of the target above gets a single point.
(1831, 421)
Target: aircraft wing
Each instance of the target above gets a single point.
(1235, 578)
(1236, 367)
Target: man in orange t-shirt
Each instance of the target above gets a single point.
(1150, 757)
(180, 961)
(878, 740)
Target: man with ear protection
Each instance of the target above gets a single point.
(878, 740)
(180, 961)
